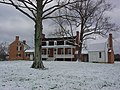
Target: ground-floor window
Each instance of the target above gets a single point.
(43, 51)
(18, 55)
(69, 51)
(60, 51)
(27, 55)
(100, 55)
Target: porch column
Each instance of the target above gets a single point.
(47, 53)
(64, 53)
(56, 53)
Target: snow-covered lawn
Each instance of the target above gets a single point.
(17, 75)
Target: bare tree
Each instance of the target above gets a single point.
(63, 28)
(89, 16)
(3, 51)
(38, 10)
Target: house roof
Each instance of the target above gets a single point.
(26, 46)
(97, 45)
(63, 38)
(30, 50)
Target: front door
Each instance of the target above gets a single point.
(50, 52)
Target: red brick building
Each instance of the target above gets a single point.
(17, 50)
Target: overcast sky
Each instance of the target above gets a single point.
(13, 23)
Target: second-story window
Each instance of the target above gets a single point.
(19, 48)
(43, 43)
(60, 42)
(51, 43)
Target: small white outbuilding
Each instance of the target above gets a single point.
(101, 50)
(31, 53)
(98, 51)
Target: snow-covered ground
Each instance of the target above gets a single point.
(17, 75)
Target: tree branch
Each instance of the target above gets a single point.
(18, 8)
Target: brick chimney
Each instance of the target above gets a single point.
(17, 38)
(77, 37)
(43, 36)
(110, 41)
(24, 41)
(110, 49)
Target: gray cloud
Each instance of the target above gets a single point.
(13, 23)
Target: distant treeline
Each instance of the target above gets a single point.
(117, 57)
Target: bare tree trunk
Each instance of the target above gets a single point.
(79, 58)
(38, 64)
(79, 54)
(81, 41)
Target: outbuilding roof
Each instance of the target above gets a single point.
(30, 50)
(97, 45)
